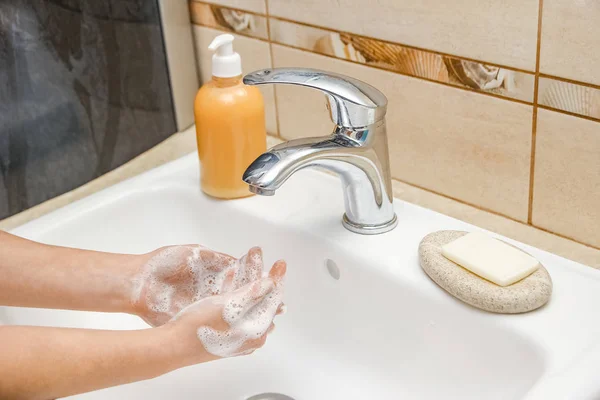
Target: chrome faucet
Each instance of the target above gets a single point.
(357, 150)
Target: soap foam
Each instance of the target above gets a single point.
(159, 293)
(180, 275)
(209, 270)
(249, 312)
(251, 268)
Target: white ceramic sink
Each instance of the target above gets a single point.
(382, 331)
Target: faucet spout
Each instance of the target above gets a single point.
(367, 196)
(260, 191)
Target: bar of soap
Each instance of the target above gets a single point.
(490, 258)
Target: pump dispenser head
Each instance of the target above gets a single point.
(225, 62)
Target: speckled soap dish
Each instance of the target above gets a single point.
(525, 295)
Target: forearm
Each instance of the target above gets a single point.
(47, 363)
(38, 275)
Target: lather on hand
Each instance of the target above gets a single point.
(174, 277)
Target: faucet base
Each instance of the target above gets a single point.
(369, 229)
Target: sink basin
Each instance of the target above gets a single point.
(364, 321)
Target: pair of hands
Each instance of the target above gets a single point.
(216, 304)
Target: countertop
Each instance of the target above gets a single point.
(185, 142)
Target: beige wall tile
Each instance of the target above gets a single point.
(566, 196)
(255, 55)
(571, 39)
(468, 146)
(257, 6)
(567, 96)
(502, 32)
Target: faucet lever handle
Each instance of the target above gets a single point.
(352, 103)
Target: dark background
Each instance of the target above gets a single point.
(83, 88)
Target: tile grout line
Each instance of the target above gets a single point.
(221, 29)
(230, 8)
(408, 75)
(268, 19)
(378, 67)
(493, 213)
(570, 113)
(567, 80)
(478, 207)
(525, 71)
(272, 66)
(563, 237)
(448, 84)
(408, 46)
(535, 112)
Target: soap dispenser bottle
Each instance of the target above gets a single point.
(230, 124)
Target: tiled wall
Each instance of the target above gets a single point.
(492, 103)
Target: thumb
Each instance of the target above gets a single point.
(278, 270)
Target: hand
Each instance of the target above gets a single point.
(231, 324)
(173, 277)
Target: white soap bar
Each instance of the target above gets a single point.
(490, 258)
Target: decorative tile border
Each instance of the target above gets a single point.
(238, 21)
(569, 96)
(405, 60)
(576, 98)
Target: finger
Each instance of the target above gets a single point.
(270, 303)
(261, 288)
(278, 270)
(254, 344)
(268, 306)
(212, 260)
(240, 272)
(282, 309)
(228, 282)
(253, 265)
(245, 298)
(244, 353)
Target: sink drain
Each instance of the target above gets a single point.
(269, 396)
